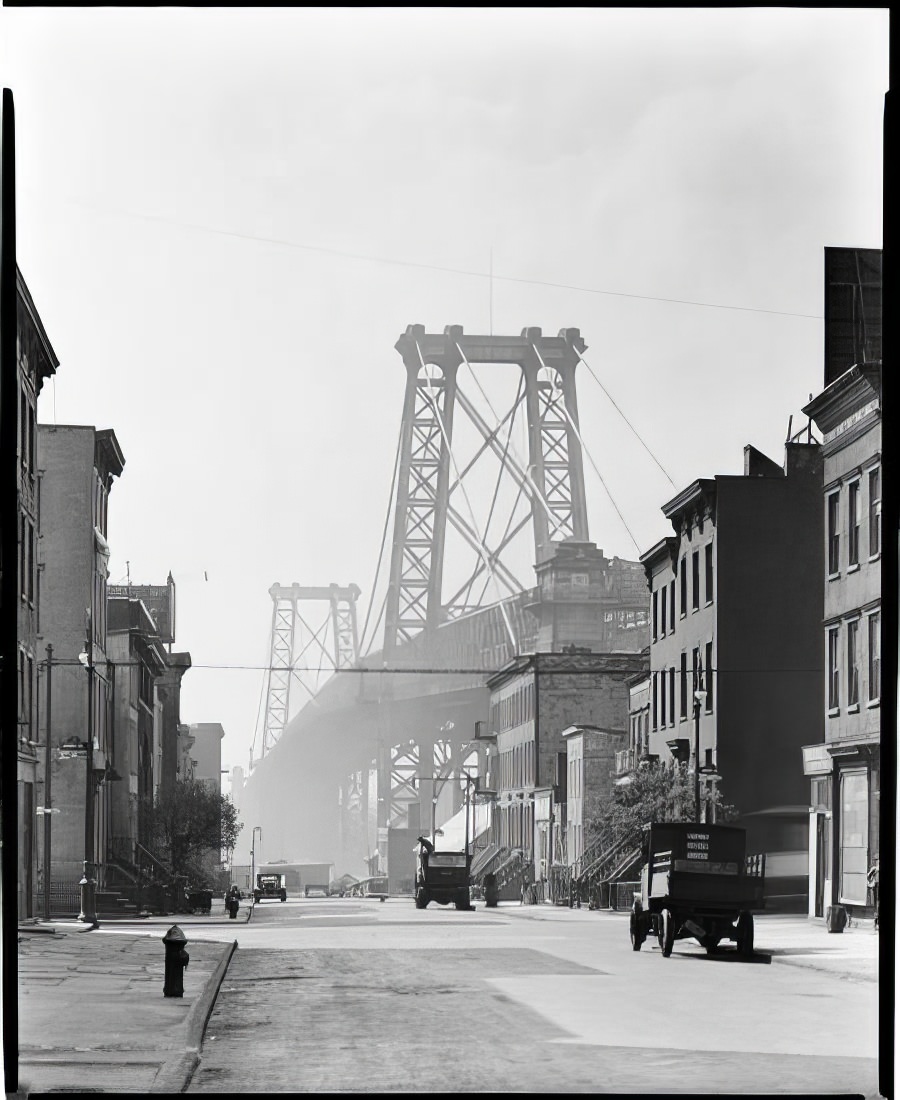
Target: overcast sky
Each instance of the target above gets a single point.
(227, 217)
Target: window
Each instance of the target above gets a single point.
(695, 578)
(853, 523)
(655, 615)
(874, 513)
(655, 701)
(834, 674)
(874, 656)
(709, 676)
(853, 663)
(698, 670)
(662, 698)
(834, 534)
(684, 687)
(672, 696)
(663, 618)
(709, 572)
(672, 606)
(684, 585)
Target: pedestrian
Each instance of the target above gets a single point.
(872, 881)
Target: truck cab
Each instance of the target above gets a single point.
(269, 886)
(443, 877)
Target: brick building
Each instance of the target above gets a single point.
(77, 467)
(843, 760)
(35, 362)
(534, 700)
(735, 603)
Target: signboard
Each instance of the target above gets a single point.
(159, 599)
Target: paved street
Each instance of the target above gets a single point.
(346, 995)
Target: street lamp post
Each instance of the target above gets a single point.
(699, 699)
(256, 829)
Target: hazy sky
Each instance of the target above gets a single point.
(227, 217)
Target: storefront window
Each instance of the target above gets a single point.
(854, 829)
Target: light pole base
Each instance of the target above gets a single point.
(88, 886)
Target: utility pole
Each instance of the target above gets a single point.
(88, 883)
(48, 802)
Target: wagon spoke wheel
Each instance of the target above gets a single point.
(666, 932)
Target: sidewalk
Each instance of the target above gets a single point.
(791, 939)
(92, 1014)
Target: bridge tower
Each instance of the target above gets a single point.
(430, 486)
(286, 618)
(432, 497)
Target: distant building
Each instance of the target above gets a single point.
(590, 767)
(638, 750)
(843, 760)
(735, 599)
(586, 599)
(77, 467)
(534, 699)
(36, 362)
(207, 753)
(137, 660)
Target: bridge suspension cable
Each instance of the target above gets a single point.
(384, 531)
(624, 417)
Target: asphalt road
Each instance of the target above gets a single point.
(346, 995)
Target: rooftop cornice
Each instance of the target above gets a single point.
(855, 388)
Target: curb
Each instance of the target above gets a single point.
(175, 1074)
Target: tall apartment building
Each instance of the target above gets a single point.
(35, 363)
(735, 603)
(77, 465)
(843, 761)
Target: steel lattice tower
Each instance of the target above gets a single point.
(553, 480)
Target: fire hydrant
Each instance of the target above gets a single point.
(176, 962)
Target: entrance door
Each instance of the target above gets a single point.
(823, 862)
(26, 850)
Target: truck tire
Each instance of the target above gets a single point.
(422, 898)
(745, 933)
(666, 932)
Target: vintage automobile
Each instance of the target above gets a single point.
(442, 877)
(697, 880)
(270, 887)
(374, 887)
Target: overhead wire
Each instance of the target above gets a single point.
(490, 275)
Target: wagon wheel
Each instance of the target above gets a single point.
(745, 933)
(666, 932)
(637, 937)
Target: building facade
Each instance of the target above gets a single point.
(36, 362)
(78, 465)
(843, 762)
(534, 700)
(590, 767)
(735, 597)
(137, 661)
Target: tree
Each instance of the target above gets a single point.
(190, 819)
(656, 793)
